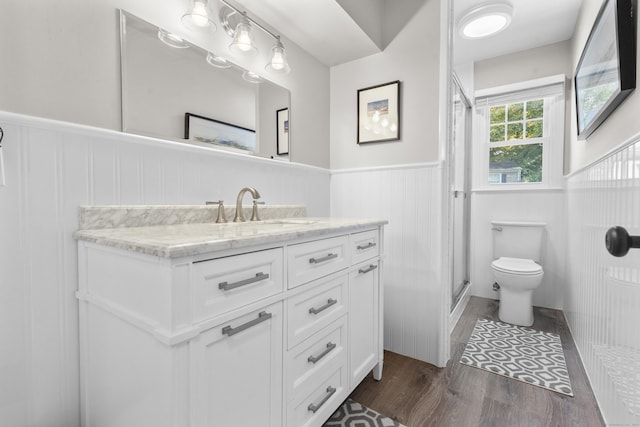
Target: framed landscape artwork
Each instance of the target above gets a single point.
(379, 113)
(282, 136)
(606, 73)
(215, 132)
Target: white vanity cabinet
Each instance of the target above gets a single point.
(272, 334)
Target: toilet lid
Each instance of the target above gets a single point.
(517, 266)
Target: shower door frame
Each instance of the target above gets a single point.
(456, 192)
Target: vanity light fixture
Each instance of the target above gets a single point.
(238, 25)
(172, 40)
(485, 20)
(198, 19)
(278, 62)
(217, 61)
(243, 41)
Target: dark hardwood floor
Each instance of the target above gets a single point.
(417, 394)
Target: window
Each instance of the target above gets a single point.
(519, 136)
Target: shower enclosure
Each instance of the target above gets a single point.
(460, 186)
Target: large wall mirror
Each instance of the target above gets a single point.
(175, 93)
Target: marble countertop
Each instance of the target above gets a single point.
(178, 240)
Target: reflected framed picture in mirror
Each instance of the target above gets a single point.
(606, 72)
(282, 119)
(379, 113)
(204, 130)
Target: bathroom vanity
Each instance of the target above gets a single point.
(267, 323)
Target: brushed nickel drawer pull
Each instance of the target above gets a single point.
(314, 408)
(323, 259)
(329, 303)
(262, 316)
(367, 246)
(228, 286)
(316, 359)
(368, 269)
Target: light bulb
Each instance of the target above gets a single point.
(277, 61)
(243, 39)
(199, 15)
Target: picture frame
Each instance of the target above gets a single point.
(282, 131)
(606, 72)
(207, 131)
(379, 113)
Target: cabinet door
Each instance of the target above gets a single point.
(363, 321)
(237, 371)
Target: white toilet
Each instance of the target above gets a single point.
(517, 250)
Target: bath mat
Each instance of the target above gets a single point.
(354, 414)
(524, 354)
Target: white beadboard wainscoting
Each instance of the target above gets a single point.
(416, 302)
(52, 168)
(602, 292)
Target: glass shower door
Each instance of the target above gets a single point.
(460, 185)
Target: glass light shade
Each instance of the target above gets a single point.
(243, 41)
(217, 61)
(172, 40)
(278, 62)
(197, 19)
(485, 20)
(251, 77)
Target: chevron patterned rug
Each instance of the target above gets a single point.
(353, 414)
(517, 352)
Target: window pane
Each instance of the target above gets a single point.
(515, 163)
(515, 112)
(496, 133)
(534, 129)
(535, 109)
(514, 131)
(497, 114)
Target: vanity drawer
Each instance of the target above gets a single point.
(224, 284)
(308, 361)
(317, 405)
(312, 310)
(309, 261)
(364, 246)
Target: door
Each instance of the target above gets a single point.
(460, 189)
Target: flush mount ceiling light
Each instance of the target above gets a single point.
(485, 20)
(172, 40)
(239, 26)
(198, 19)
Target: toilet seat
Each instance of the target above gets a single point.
(519, 266)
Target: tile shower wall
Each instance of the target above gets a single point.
(409, 198)
(51, 168)
(602, 294)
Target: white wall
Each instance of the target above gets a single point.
(408, 196)
(65, 65)
(52, 168)
(540, 205)
(621, 125)
(413, 57)
(400, 181)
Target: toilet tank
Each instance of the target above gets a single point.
(518, 239)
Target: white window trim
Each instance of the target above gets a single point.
(553, 148)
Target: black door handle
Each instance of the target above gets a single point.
(618, 241)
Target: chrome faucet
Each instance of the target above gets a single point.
(239, 214)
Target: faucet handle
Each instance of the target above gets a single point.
(221, 216)
(254, 213)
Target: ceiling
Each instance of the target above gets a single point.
(339, 31)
